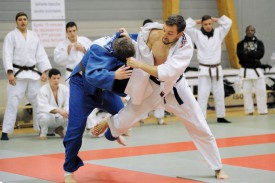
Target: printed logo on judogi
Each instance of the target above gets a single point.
(183, 41)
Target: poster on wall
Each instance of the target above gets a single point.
(47, 9)
(48, 21)
(50, 32)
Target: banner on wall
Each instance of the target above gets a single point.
(47, 9)
(50, 32)
(48, 21)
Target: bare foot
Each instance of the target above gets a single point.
(121, 140)
(70, 179)
(101, 126)
(127, 133)
(161, 122)
(60, 131)
(221, 175)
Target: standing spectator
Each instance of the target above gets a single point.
(209, 45)
(70, 52)
(53, 105)
(250, 50)
(22, 53)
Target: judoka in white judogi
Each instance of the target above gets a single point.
(69, 59)
(47, 103)
(170, 91)
(24, 59)
(210, 76)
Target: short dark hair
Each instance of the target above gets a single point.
(177, 20)
(71, 24)
(147, 21)
(54, 71)
(123, 48)
(205, 17)
(250, 26)
(20, 14)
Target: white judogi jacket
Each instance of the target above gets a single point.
(209, 50)
(177, 61)
(61, 56)
(46, 101)
(24, 52)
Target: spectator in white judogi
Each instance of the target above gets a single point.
(25, 62)
(70, 52)
(209, 46)
(53, 105)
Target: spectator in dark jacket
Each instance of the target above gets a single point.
(250, 50)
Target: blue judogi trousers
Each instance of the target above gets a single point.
(81, 104)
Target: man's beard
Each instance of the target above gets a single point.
(166, 43)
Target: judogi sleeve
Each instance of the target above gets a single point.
(61, 56)
(100, 68)
(44, 101)
(87, 43)
(8, 51)
(66, 98)
(43, 62)
(225, 25)
(191, 29)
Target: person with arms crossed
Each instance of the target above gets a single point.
(98, 81)
(22, 53)
(250, 50)
(163, 53)
(53, 105)
(209, 47)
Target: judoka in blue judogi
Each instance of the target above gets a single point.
(97, 82)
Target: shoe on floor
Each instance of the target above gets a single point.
(50, 134)
(223, 120)
(4, 136)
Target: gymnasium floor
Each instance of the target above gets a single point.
(155, 154)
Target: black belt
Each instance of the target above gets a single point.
(24, 68)
(82, 68)
(212, 66)
(179, 100)
(68, 69)
(255, 69)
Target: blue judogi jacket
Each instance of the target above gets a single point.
(100, 65)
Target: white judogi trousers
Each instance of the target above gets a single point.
(49, 122)
(23, 87)
(260, 91)
(206, 84)
(189, 113)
